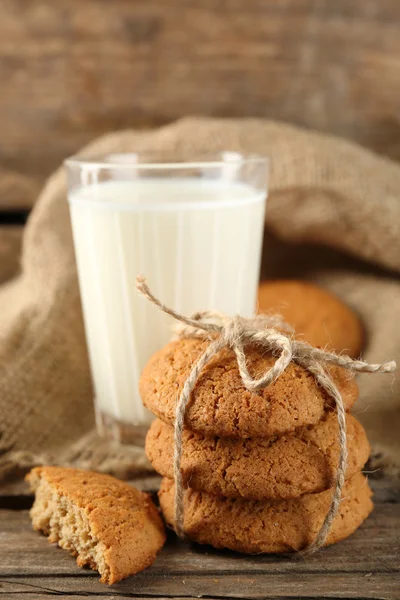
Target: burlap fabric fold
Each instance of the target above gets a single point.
(322, 191)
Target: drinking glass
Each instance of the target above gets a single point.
(192, 226)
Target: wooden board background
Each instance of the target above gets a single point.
(73, 69)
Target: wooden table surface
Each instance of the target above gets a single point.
(367, 565)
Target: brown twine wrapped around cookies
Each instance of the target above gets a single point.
(235, 332)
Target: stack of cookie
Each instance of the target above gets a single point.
(258, 468)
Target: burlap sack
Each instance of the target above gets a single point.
(322, 190)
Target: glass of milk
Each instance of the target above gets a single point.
(192, 226)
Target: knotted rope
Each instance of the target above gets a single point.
(236, 332)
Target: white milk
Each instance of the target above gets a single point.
(197, 242)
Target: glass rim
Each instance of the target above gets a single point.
(118, 160)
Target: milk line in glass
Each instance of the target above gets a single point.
(193, 229)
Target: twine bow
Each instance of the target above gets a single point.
(236, 332)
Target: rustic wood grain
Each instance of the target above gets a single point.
(364, 566)
(15, 590)
(74, 70)
(336, 586)
(374, 547)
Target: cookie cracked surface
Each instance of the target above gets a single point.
(287, 466)
(221, 406)
(267, 526)
(106, 523)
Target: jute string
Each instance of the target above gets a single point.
(235, 333)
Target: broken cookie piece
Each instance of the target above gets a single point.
(106, 523)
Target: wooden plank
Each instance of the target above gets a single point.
(364, 566)
(16, 590)
(12, 590)
(307, 586)
(77, 69)
(10, 251)
(374, 547)
(40, 592)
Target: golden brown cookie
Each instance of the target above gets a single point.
(106, 523)
(315, 314)
(221, 406)
(288, 466)
(270, 525)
